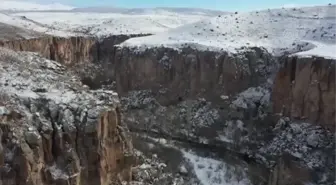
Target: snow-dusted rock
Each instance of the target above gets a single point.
(252, 96)
(44, 118)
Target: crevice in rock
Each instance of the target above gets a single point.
(213, 148)
(293, 69)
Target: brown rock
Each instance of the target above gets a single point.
(91, 59)
(189, 73)
(67, 51)
(73, 137)
(288, 172)
(304, 89)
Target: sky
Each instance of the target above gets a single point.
(226, 5)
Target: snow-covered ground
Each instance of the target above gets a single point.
(62, 20)
(10, 5)
(23, 23)
(156, 11)
(305, 31)
(101, 24)
(214, 172)
(278, 30)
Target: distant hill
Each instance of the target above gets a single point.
(9, 5)
(158, 10)
(285, 30)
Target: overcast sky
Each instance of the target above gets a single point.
(229, 5)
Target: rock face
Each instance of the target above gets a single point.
(304, 89)
(223, 102)
(67, 51)
(55, 131)
(91, 59)
(190, 73)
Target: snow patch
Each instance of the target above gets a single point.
(251, 96)
(57, 173)
(3, 111)
(214, 172)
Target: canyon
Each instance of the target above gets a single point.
(198, 97)
(172, 96)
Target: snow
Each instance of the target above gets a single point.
(29, 76)
(225, 139)
(280, 31)
(250, 97)
(101, 24)
(145, 166)
(229, 133)
(60, 97)
(156, 11)
(29, 6)
(305, 31)
(3, 111)
(214, 172)
(311, 143)
(57, 173)
(322, 50)
(23, 23)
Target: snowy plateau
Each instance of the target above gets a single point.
(61, 20)
(305, 31)
(287, 30)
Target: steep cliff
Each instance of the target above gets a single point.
(191, 73)
(67, 51)
(55, 131)
(230, 102)
(304, 89)
(91, 59)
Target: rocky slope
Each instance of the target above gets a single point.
(55, 131)
(9, 32)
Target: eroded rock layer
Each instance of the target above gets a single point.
(177, 75)
(304, 89)
(91, 59)
(54, 130)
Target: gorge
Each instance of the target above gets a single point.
(222, 101)
(241, 105)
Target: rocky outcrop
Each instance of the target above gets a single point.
(91, 59)
(287, 172)
(67, 51)
(304, 89)
(55, 131)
